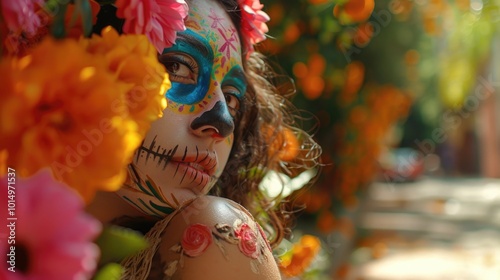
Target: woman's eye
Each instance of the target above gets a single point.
(177, 69)
(233, 103)
(181, 68)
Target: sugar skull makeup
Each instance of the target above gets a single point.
(185, 151)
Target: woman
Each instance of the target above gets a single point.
(222, 131)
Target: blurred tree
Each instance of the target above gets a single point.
(351, 61)
(376, 75)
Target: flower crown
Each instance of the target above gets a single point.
(166, 18)
(159, 20)
(253, 23)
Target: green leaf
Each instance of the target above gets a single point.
(111, 271)
(117, 243)
(340, 2)
(52, 6)
(86, 14)
(58, 9)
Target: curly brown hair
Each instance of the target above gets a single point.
(266, 105)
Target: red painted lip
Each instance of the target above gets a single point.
(205, 162)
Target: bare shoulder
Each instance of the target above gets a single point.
(215, 238)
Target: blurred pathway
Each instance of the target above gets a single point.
(439, 229)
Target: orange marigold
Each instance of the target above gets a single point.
(354, 11)
(297, 261)
(354, 78)
(69, 108)
(134, 60)
(284, 144)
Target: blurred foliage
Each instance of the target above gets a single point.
(350, 65)
(115, 244)
(374, 74)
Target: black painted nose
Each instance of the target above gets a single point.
(217, 122)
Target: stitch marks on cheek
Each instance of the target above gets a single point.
(199, 167)
(194, 169)
(159, 156)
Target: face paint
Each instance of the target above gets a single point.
(185, 152)
(216, 53)
(192, 44)
(236, 78)
(217, 117)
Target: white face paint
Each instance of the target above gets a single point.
(185, 151)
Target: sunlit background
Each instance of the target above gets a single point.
(406, 98)
(402, 95)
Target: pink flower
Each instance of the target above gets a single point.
(253, 23)
(159, 20)
(248, 241)
(196, 239)
(20, 15)
(50, 235)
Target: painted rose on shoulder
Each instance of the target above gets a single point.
(214, 235)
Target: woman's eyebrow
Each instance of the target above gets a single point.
(195, 43)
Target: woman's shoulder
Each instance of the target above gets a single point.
(215, 238)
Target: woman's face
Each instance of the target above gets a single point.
(185, 151)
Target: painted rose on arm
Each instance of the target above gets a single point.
(196, 239)
(248, 241)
